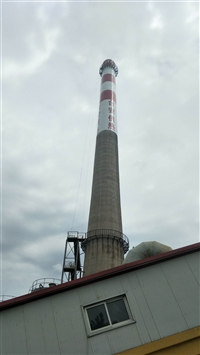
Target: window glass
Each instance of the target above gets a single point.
(97, 317)
(117, 311)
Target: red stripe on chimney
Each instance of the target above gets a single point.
(108, 95)
(108, 77)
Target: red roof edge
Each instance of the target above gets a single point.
(124, 268)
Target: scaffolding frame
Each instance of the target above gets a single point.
(72, 268)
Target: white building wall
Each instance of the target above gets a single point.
(163, 299)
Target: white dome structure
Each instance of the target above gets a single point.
(144, 250)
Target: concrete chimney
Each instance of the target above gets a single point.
(105, 244)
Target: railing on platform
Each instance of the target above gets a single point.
(5, 297)
(46, 282)
(106, 233)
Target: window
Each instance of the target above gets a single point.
(108, 314)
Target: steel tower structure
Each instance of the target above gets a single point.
(105, 243)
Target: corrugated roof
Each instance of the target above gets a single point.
(64, 287)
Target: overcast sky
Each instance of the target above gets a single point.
(51, 54)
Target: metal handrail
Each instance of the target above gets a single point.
(39, 284)
(76, 234)
(99, 233)
(5, 297)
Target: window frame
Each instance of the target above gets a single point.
(111, 326)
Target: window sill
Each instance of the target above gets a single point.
(110, 327)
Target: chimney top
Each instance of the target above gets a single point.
(108, 63)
